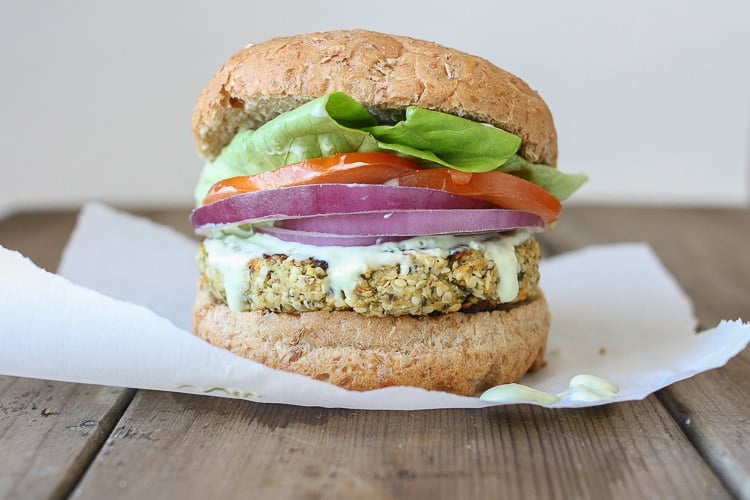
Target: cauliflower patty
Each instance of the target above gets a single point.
(466, 279)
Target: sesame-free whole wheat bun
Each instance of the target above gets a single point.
(386, 73)
(426, 316)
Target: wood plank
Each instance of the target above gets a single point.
(40, 236)
(713, 410)
(184, 446)
(50, 432)
(706, 250)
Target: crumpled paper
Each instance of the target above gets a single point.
(118, 314)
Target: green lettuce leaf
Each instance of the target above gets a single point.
(559, 183)
(336, 123)
(323, 127)
(447, 140)
(319, 128)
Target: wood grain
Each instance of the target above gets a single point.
(50, 432)
(706, 250)
(201, 447)
(39, 236)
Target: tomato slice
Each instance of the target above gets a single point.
(498, 188)
(345, 168)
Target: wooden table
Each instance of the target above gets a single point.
(691, 440)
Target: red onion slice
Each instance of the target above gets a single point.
(371, 228)
(325, 239)
(321, 199)
(416, 222)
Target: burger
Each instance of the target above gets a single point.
(368, 209)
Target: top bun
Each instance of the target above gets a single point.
(386, 73)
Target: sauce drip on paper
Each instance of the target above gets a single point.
(588, 388)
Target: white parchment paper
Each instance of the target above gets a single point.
(119, 314)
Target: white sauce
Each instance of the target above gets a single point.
(588, 388)
(230, 254)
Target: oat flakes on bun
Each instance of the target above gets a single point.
(369, 208)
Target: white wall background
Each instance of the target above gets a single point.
(651, 98)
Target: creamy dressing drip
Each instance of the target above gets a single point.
(588, 388)
(231, 254)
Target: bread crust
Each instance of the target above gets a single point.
(384, 72)
(456, 352)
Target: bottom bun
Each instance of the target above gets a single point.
(462, 353)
